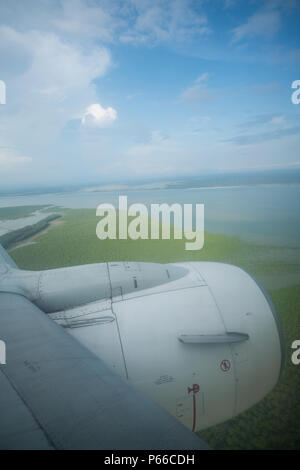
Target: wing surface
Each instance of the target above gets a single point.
(55, 394)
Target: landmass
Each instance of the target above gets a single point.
(274, 422)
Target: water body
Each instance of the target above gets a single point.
(15, 224)
(264, 215)
(261, 214)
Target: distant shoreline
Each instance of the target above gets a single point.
(284, 177)
(161, 188)
(14, 238)
(262, 185)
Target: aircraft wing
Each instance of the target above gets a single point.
(55, 394)
(6, 259)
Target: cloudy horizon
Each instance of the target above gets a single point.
(100, 90)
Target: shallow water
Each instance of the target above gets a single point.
(15, 224)
(261, 214)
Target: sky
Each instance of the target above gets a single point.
(109, 90)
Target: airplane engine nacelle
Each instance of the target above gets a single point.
(202, 339)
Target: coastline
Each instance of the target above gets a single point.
(15, 238)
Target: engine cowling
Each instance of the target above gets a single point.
(202, 339)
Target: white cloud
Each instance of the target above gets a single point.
(202, 78)
(92, 20)
(11, 158)
(277, 120)
(53, 86)
(59, 65)
(229, 3)
(157, 137)
(52, 55)
(131, 21)
(264, 120)
(159, 21)
(198, 91)
(97, 116)
(262, 23)
(162, 155)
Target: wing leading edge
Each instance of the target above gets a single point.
(6, 259)
(55, 394)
